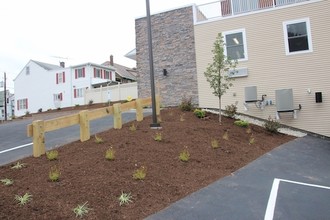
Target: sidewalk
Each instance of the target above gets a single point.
(297, 173)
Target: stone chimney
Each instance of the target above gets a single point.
(111, 60)
(62, 64)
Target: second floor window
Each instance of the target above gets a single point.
(235, 44)
(60, 77)
(97, 73)
(106, 74)
(79, 73)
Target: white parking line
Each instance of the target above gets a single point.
(15, 148)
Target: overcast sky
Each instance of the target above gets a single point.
(73, 31)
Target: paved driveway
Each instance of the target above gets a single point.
(290, 182)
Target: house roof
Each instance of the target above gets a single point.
(123, 71)
(47, 66)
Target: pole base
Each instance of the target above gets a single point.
(155, 126)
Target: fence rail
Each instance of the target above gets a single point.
(38, 128)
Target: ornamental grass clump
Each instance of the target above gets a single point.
(7, 182)
(18, 165)
(125, 198)
(272, 125)
(242, 123)
(158, 136)
(110, 154)
(231, 110)
(140, 174)
(215, 143)
(184, 155)
(132, 127)
(225, 136)
(52, 155)
(199, 113)
(22, 200)
(186, 104)
(98, 139)
(81, 210)
(54, 174)
(251, 140)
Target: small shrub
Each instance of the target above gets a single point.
(132, 127)
(251, 140)
(18, 166)
(184, 155)
(27, 113)
(98, 140)
(54, 174)
(272, 125)
(140, 174)
(241, 123)
(125, 198)
(248, 130)
(158, 136)
(199, 113)
(52, 155)
(182, 117)
(59, 108)
(186, 104)
(77, 105)
(81, 210)
(215, 143)
(40, 110)
(110, 154)
(22, 200)
(7, 182)
(225, 136)
(129, 98)
(90, 102)
(231, 110)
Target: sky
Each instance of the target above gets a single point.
(73, 31)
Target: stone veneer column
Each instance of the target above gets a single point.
(173, 50)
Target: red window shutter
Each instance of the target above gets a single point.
(94, 72)
(63, 77)
(56, 78)
(83, 70)
(61, 96)
(101, 74)
(75, 93)
(76, 73)
(17, 104)
(26, 103)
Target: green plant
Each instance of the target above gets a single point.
(110, 154)
(132, 127)
(40, 110)
(76, 105)
(98, 139)
(215, 143)
(225, 136)
(54, 174)
(272, 125)
(7, 182)
(186, 104)
(59, 108)
(182, 117)
(218, 73)
(231, 110)
(241, 123)
(248, 130)
(52, 155)
(199, 113)
(140, 174)
(22, 200)
(184, 155)
(18, 165)
(90, 102)
(27, 113)
(125, 198)
(81, 210)
(129, 98)
(251, 140)
(158, 136)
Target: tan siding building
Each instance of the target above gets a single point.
(269, 66)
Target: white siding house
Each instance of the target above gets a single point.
(41, 86)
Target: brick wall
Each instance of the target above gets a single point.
(173, 50)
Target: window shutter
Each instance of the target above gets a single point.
(56, 78)
(94, 72)
(101, 74)
(61, 96)
(83, 70)
(26, 103)
(75, 93)
(76, 73)
(17, 104)
(63, 77)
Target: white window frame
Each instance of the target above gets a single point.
(105, 73)
(98, 73)
(22, 104)
(309, 36)
(80, 73)
(57, 97)
(60, 77)
(242, 30)
(80, 93)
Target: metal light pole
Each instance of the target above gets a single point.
(154, 124)
(5, 92)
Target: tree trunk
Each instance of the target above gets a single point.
(220, 110)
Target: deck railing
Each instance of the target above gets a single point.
(225, 8)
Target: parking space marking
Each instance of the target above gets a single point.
(15, 148)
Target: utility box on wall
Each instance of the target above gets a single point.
(318, 97)
(284, 100)
(251, 94)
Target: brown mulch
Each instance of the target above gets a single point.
(86, 176)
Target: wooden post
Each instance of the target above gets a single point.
(84, 126)
(158, 108)
(139, 110)
(38, 138)
(117, 116)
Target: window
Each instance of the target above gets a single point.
(22, 104)
(27, 70)
(78, 93)
(235, 45)
(58, 97)
(107, 74)
(80, 73)
(60, 78)
(97, 73)
(297, 36)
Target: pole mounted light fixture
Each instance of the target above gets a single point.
(154, 124)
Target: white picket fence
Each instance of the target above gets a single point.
(111, 93)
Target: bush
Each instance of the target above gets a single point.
(40, 110)
(231, 110)
(90, 102)
(186, 104)
(272, 125)
(241, 123)
(199, 113)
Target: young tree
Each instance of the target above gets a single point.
(218, 73)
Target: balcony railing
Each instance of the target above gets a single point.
(225, 8)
